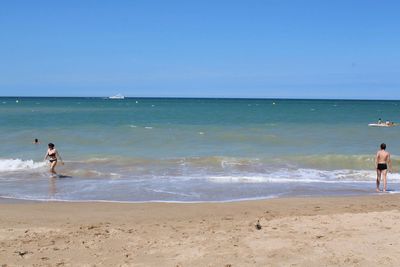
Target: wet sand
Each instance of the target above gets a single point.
(334, 231)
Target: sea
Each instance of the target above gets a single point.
(193, 150)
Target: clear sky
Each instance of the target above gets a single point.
(269, 48)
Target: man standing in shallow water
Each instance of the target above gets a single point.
(382, 161)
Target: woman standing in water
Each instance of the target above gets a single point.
(53, 156)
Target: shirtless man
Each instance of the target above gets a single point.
(382, 161)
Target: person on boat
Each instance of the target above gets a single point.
(382, 162)
(380, 121)
(53, 155)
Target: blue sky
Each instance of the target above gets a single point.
(270, 48)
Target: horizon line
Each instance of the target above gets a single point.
(212, 97)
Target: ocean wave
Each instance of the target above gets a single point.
(88, 173)
(96, 160)
(334, 161)
(170, 192)
(323, 167)
(219, 161)
(228, 164)
(10, 165)
(323, 162)
(304, 176)
(44, 199)
(208, 161)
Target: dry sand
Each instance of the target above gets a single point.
(342, 231)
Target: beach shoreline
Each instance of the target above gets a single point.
(344, 231)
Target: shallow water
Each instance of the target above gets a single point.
(193, 149)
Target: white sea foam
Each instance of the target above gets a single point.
(264, 179)
(32, 198)
(305, 176)
(9, 165)
(170, 192)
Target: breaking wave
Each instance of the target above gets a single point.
(10, 165)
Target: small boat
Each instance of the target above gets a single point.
(117, 96)
(382, 125)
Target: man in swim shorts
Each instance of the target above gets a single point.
(382, 162)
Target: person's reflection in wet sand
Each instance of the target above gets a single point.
(53, 183)
(53, 187)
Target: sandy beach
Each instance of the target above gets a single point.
(339, 231)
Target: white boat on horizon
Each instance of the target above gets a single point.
(383, 124)
(117, 96)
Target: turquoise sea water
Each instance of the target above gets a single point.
(151, 149)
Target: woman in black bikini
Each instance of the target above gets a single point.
(52, 154)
